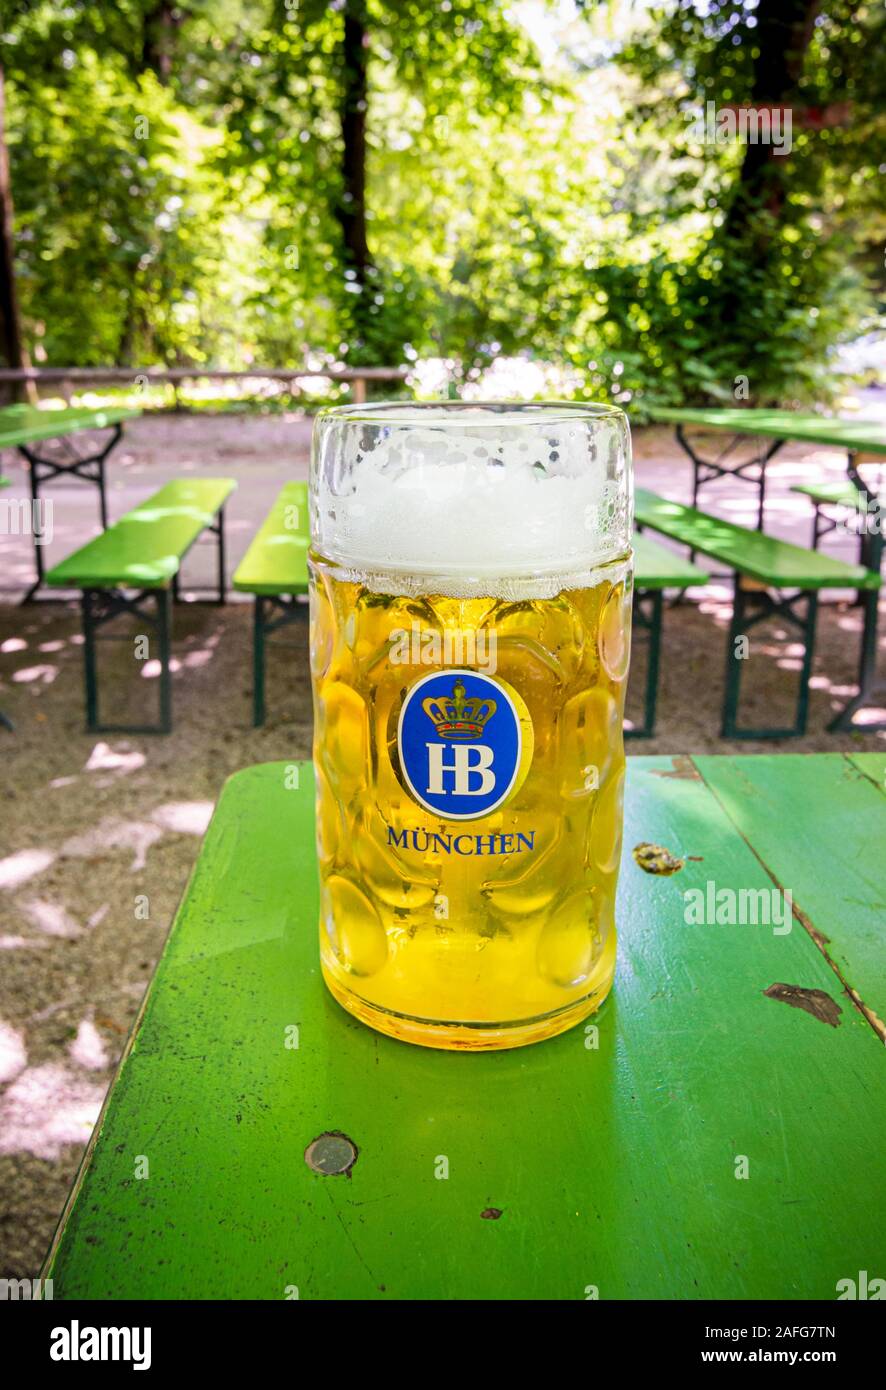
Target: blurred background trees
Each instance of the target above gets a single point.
(372, 181)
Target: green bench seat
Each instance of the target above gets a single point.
(143, 552)
(761, 563)
(275, 570)
(775, 563)
(842, 493)
(656, 568)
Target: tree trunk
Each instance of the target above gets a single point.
(782, 36)
(11, 342)
(159, 39)
(351, 211)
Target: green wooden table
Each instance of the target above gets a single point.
(23, 426)
(609, 1161)
(859, 438)
(773, 428)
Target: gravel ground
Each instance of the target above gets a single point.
(92, 824)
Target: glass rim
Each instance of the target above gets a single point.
(545, 412)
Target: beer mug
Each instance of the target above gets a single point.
(470, 588)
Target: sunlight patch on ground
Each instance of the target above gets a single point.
(17, 868)
(194, 660)
(872, 714)
(151, 669)
(88, 1048)
(111, 833)
(184, 817)
(13, 1056)
(51, 918)
(46, 1108)
(45, 674)
(103, 757)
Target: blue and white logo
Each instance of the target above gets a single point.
(461, 743)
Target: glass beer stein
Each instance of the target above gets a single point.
(470, 577)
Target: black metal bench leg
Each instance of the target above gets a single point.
(808, 654)
(742, 621)
(33, 465)
(100, 606)
(90, 469)
(164, 639)
(88, 601)
(816, 526)
(100, 477)
(258, 664)
(732, 684)
(220, 531)
(867, 669)
(651, 624)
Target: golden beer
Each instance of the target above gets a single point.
(470, 770)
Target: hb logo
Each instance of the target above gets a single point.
(465, 743)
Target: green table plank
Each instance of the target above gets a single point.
(854, 435)
(656, 567)
(277, 560)
(843, 494)
(144, 549)
(764, 558)
(612, 1167)
(802, 813)
(27, 424)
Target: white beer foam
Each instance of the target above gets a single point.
(494, 498)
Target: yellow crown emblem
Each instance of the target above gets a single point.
(457, 718)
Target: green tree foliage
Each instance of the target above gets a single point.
(236, 181)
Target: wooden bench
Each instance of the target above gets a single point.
(216, 1169)
(655, 569)
(275, 570)
(771, 577)
(143, 553)
(23, 426)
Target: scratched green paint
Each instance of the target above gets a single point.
(612, 1167)
(144, 549)
(762, 557)
(277, 559)
(27, 424)
(819, 825)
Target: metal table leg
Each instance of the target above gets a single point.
(89, 469)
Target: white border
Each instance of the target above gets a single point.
(426, 805)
